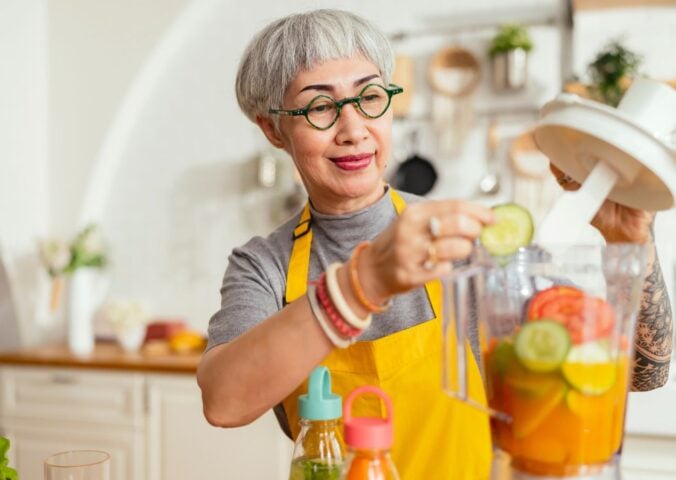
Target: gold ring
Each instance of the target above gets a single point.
(432, 258)
(434, 225)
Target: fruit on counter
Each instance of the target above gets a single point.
(187, 341)
(590, 369)
(584, 316)
(542, 346)
(512, 230)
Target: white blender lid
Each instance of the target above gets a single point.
(575, 133)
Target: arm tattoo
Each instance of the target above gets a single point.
(653, 340)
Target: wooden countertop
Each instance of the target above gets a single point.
(106, 356)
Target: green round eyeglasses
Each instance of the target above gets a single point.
(323, 111)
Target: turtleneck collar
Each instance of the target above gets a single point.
(351, 228)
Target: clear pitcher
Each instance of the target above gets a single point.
(554, 331)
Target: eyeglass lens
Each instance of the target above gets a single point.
(372, 102)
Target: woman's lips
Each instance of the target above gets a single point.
(353, 162)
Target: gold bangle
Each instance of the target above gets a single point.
(356, 285)
(339, 301)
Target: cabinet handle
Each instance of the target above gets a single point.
(63, 379)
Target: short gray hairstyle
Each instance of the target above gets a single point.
(299, 42)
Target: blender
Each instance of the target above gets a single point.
(556, 320)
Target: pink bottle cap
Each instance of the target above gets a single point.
(372, 433)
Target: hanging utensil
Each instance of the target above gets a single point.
(490, 183)
(416, 174)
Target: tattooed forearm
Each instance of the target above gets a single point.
(653, 331)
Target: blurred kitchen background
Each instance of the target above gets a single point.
(123, 113)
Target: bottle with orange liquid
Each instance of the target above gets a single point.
(369, 440)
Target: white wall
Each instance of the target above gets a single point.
(24, 183)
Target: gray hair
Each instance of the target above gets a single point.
(298, 43)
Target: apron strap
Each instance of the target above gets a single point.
(299, 263)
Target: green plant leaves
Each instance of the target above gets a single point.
(609, 68)
(510, 37)
(6, 473)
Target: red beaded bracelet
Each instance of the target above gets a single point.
(332, 313)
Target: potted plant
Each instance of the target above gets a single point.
(509, 57)
(611, 73)
(82, 261)
(6, 473)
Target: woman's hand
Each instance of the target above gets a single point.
(616, 222)
(419, 246)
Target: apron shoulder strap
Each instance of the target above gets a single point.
(299, 262)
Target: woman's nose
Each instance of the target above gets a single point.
(351, 125)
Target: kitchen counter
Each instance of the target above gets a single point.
(106, 356)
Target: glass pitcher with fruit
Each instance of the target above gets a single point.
(555, 338)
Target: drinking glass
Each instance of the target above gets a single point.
(78, 465)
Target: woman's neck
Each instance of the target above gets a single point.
(341, 205)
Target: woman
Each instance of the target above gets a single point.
(317, 84)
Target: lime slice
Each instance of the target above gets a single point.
(503, 355)
(512, 230)
(542, 346)
(590, 369)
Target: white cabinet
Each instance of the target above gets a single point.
(182, 445)
(151, 424)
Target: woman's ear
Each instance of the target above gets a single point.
(270, 131)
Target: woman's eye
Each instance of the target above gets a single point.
(322, 108)
(370, 97)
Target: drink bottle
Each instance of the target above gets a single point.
(319, 451)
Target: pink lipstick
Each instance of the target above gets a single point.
(353, 162)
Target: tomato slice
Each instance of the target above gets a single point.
(544, 296)
(586, 318)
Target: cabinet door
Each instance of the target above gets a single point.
(181, 444)
(33, 441)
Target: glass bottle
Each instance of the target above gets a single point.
(369, 440)
(319, 451)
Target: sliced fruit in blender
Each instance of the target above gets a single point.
(585, 317)
(503, 356)
(545, 296)
(512, 230)
(528, 414)
(590, 369)
(542, 346)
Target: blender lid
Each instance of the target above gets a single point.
(576, 133)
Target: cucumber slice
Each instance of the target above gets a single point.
(542, 346)
(512, 230)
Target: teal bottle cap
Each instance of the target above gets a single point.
(320, 403)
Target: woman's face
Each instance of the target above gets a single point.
(342, 166)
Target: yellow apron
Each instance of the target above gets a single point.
(436, 437)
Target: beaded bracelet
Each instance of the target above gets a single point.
(331, 334)
(356, 284)
(332, 314)
(340, 302)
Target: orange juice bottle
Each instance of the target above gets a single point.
(369, 440)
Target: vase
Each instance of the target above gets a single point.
(510, 70)
(87, 289)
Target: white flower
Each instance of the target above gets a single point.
(124, 315)
(55, 255)
(92, 242)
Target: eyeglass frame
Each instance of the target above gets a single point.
(391, 91)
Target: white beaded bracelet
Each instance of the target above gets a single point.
(340, 302)
(323, 322)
